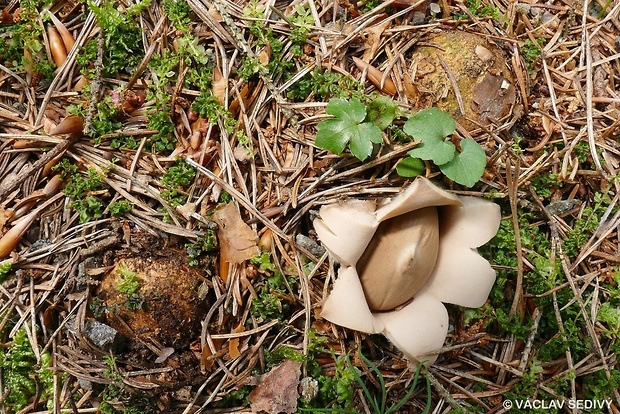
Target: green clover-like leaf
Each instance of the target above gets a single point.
(468, 166)
(347, 127)
(431, 127)
(382, 111)
(410, 167)
(362, 139)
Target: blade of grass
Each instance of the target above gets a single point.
(429, 397)
(379, 377)
(360, 381)
(402, 402)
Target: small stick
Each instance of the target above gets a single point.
(40, 163)
(455, 85)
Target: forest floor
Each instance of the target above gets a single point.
(120, 154)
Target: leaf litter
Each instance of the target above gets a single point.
(556, 146)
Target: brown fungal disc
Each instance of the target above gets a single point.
(475, 66)
(170, 306)
(399, 259)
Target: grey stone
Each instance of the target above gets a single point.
(103, 336)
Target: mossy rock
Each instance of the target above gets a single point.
(479, 68)
(171, 299)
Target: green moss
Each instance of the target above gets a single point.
(200, 247)
(118, 399)
(26, 35)
(129, 283)
(544, 184)
(531, 51)
(22, 377)
(326, 85)
(178, 12)
(123, 48)
(120, 208)
(478, 8)
(583, 227)
(599, 387)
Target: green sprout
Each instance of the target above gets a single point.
(531, 51)
(378, 405)
(116, 394)
(119, 208)
(5, 268)
(348, 127)
(325, 84)
(129, 283)
(360, 128)
(179, 176)
(26, 36)
(431, 127)
(477, 8)
(81, 190)
(201, 245)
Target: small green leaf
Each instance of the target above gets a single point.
(347, 128)
(410, 167)
(351, 112)
(5, 268)
(468, 166)
(332, 135)
(382, 111)
(431, 127)
(362, 139)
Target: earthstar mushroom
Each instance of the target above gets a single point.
(401, 258)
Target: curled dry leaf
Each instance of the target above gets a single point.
(266, 241)
(11, 238)
(207, 358)
(28, 66)
(376, 77)
(57, 46)
(548, 124)
(24, 205)
(80, 83)
(238, 242)
(199, 126)
(4, 217)
(65, 34)
(72, 124)
(233, 343)
(218, 88)
(373, 40)
(278, 391)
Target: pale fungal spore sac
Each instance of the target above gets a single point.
(402, 258)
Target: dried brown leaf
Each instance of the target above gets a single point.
(373, 40)
(206, 354)
(233, 344)
(278, 391)
(218, 88)
(57, 46)
(238, 242)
